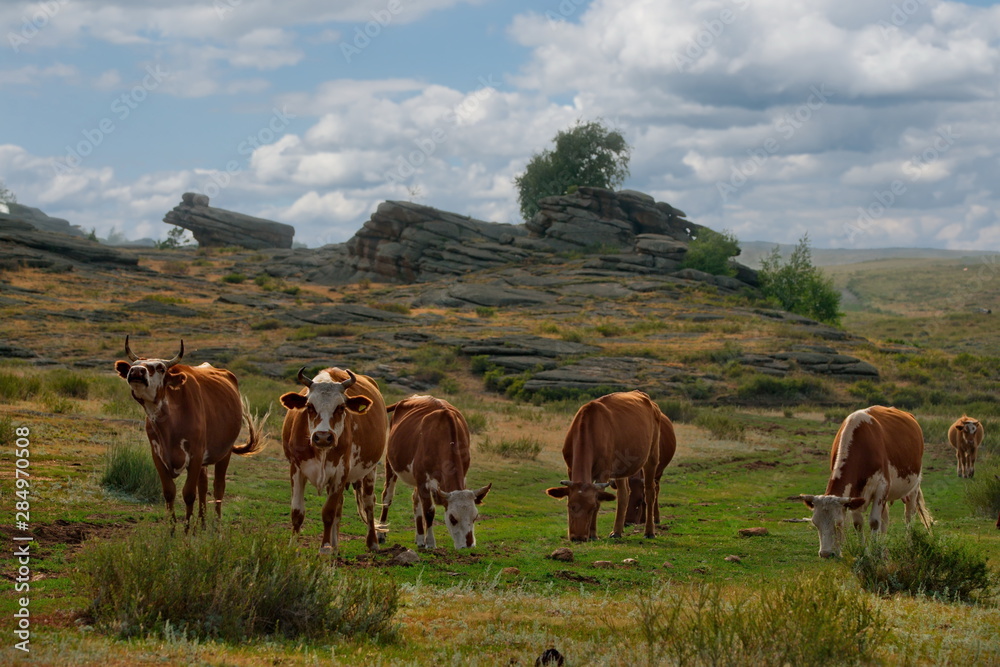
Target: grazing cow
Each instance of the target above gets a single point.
(334, 435)
(429, 450)
(965, 435)
(193, 418)
(875, 459)
(636, 511)
(611, 437)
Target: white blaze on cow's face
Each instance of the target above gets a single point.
(970, 429)
(145, 377)
(326, 406)
(460, 513)
(828, 516)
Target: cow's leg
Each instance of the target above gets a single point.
(858, 519)
(388, 492)
(593, 526)
(219, 484)
(202, 494)
(190, 490)
(418, 519)
(298, 480)
(910, 501)
(365, 489)
(427, 505)
(972, 463)
(650, 491)
(879, 510)
(621, 508)
(168, 486)
(332, 509)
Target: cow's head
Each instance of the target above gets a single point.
(460, 513)
(148, 377)
(584, 500)
(829, 514)
(969, 428)
(326, 405)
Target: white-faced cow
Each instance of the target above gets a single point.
(636, 511)
(611, 437)
(334, 435)
(875, 460)
(429, 450)
(965, 435)
(193, 418)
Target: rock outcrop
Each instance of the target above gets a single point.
(218, 227)
(39, 220)
(23, 245)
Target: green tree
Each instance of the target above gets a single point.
(175, 239)
(798, 286)
(711, 251)
(6, 196)
(587, 154)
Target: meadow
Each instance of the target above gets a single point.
(697, 593)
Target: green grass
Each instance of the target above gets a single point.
(721, 424)
(523, 449)
(234, 278)
(129, 471)
(17, 387)
(982, 493)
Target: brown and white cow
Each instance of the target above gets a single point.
(334, 435)
(611, 437)
(429, 450)
(875, 460)
(965, 435)
(193, 418)
(636, 511)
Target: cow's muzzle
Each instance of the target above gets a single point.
(322, 439)
(138, 376)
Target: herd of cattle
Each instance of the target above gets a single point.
(337, 429)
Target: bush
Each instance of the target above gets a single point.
(230, 583)
(234, 278)
(129, 471)
(798, 286)
(711, 251)
(678, 411)
(390, 307)
(70, 385)
(805, 621)
(782, 390)
(477, 422)
(920, 563)
(525, 449)
(486, 311)
(18, 388)
(982, 493)
(723, 425)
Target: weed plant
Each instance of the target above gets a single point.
(129, 471)
(982, 493)
(522, 449)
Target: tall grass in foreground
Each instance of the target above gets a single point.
(524, 449)
(229, 583)
(920, 563)
(806, 621)
(982, 493)
(129, 471)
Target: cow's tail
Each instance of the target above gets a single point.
(922, 511)
(255, 428)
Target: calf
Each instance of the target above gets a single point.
(611, 437)
(636, 511)
(965, 435)
(334, 435)
(429, 450)
(875, 459)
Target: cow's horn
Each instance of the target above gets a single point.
(177, 358)
(132, 356)
(303, 379)
(351, 379)
(602, 485)
(566, 482)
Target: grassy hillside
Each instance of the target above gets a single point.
(748, 443)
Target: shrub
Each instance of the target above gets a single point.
(70, 385)
(390, 307)
(230, 583)
(18, 388)
(798, 286)
(486, 311)
(234, 278)
(477, 422)
(782, 390)
(920, 563)
(480, 363)
(610, 329)
(267, 325)
(982, 493)
(711, 251)
(723, 425)
(129, 471)
(525, 449)
(678, 411)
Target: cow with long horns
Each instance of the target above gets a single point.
(333, 435)
(193, 418)
(611, 437)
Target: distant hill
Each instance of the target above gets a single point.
(753, 251)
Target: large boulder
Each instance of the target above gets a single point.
(37, 219)
(218, 227)
(23, 245)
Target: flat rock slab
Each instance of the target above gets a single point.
(348, 312)
(599, 290)
(466, 295)
(527, 345)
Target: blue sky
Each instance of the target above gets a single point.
(863, 124)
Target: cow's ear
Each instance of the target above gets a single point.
(294, 400)
(176, 380)
(605, 497)
(122, 368)
(808, 500)
(481, 493)
(358, 404)
(854, 503)
(558, 491)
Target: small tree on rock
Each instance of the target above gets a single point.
(587, 154)
(711, 251)
(6, 196)
(798, 286)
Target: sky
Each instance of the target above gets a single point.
(862, 123)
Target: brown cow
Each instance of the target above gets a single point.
(334, 435)
(193, 417)
(636, 511)
(875, 459)
(965, 435)
(611, 437)
(429, 450)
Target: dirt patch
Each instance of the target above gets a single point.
(760, 465)
(569, 575)
(70, 533)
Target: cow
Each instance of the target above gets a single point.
(875, 460)
(636, 511)
(965, 435)
(333, 436)
(611, 437)
(193, 418)
(429, 450)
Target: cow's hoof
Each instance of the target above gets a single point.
(326, 550)
(381, 538)
(650, 536)
(615, 536)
